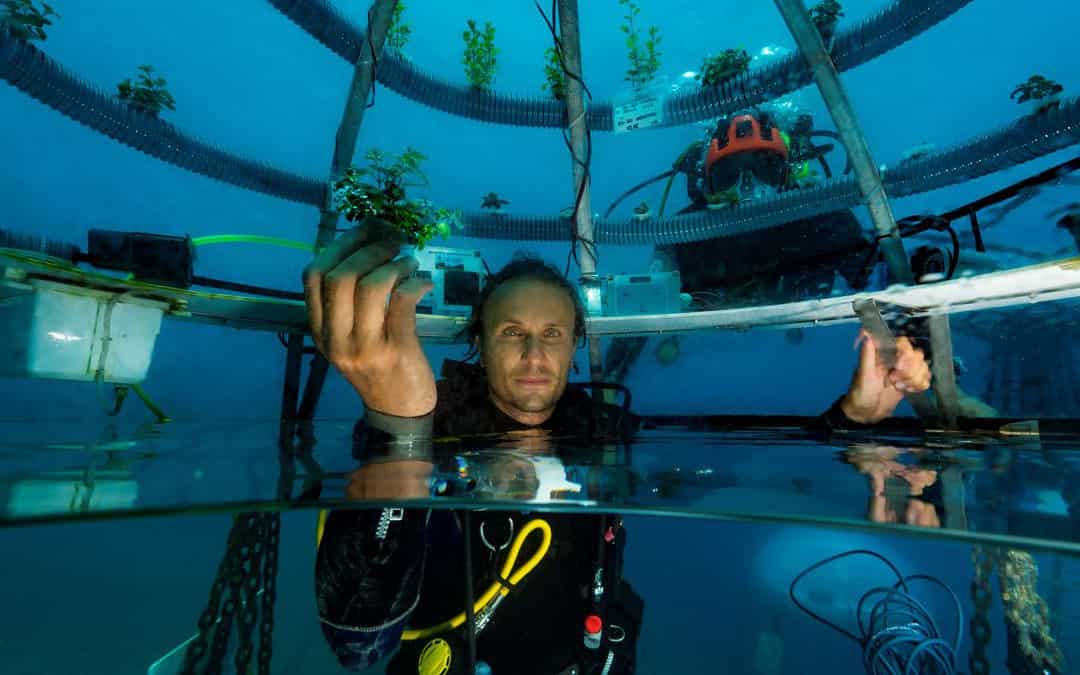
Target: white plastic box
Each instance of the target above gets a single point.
(458, 276)
(650, 293)
(60, 331)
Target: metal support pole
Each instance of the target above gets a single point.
(832, 91)
(570, 37)
(943, 369)
(954, 498)
(843, 114)
(379, 19)
(293, 366)
(380, 16)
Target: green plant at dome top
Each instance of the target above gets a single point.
(400, 32)
(718, 69)
(825, 16)
(23, 21)
(643, 55)
(554, 74)
(148, 93)
(480, 53)
(1042, 91)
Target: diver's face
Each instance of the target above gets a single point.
(527, 348)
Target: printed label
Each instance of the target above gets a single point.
(640, 112)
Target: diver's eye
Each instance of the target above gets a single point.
(512, 331)
(553, 333)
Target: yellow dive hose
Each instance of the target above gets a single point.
(496, 589)
(671, 178)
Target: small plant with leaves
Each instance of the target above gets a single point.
(480, 53)
(379, 191)
(718, 69)
(721, 200)
(23, 21)
(642, 212)
(400, 32)
(825, 16)
(493, 202)
(643, 55)
(148, 93)
(1042, 92)
(554, 74)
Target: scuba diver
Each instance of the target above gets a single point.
(397, 583)
(749, 157)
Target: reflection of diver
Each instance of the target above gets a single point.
(394, 577)
(748, 157)
(919, 501)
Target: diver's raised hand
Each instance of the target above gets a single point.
(875, 389)
(362, 309)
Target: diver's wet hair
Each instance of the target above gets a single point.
(523, 266)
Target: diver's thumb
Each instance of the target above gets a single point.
(868, 354)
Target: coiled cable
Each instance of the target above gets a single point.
(899, 635)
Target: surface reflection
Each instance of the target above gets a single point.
(899, 493)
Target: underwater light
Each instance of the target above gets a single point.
(689, 75)
(63, 337)
(774, 50)
(593, 299)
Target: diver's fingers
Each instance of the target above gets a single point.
(372, 297)
(316, 271)
(339, 249)
(370, 231)
(312, 281)
(339, 294)
(401, 314)
(868, 355)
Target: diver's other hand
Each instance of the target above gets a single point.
(876, 390)
(362, 309)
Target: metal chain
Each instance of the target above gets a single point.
(211, 615)
(248, 568)
(269, 598)
(1027, 617)
(981, 596)
(250, 574)
(237, 554)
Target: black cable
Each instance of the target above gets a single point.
(245, 288)
(914, 225)
(900, 634)
(643, 184)
(281, 339)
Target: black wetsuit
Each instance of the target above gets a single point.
(368, 588)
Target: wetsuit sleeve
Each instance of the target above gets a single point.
(834, 419)
(368, 573)
(370, 563)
